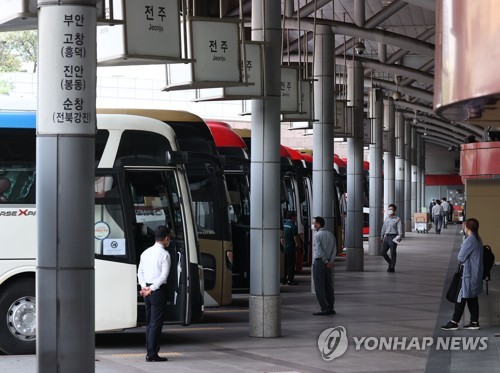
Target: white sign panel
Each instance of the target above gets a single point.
(289, 90)
(305, 109)
(113, 246)
(253, 73)
(152, 29)
(367, 131)
(66, 72)
(216, 48)
(214, 45)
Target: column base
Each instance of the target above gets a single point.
(375, 246)
(355, 259)
(264, 316)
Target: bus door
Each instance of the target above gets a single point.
(239, 214)
(210, 208)
(157, 201)
(115, 267)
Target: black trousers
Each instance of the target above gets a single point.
(323, 285)
(473, 304)
(155, 310)
(290, 259)
(390, 244)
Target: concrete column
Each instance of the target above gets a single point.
(323, 173)
(400, 166)
(65, 189)
(376, 177)
(422, 171)
(408, 212)
(420, 197)
(265, 301)
(389, 162)
(414, 173)
(354, 226)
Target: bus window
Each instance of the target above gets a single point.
(156, 202)
(109, 226)
(17, 184)
(203, 204)
(239, 196)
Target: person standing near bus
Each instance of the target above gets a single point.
(291, 242)
(391, 232)
(324, 250)
(152, 274)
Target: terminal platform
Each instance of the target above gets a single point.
(373, 304)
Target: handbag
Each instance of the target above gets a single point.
(455, 285)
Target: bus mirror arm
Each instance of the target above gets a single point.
(176, 157)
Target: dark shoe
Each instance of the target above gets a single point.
(450, 326)
(292, 283)
(150, 359)
(390, 270)
(322, 313)
(472, 326)
(283, 283)
(332, 312)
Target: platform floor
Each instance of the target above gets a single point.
(371, 304)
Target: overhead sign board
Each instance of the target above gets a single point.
(151, 34)
(289, 89)
(214, 45)
(252, 77)
(305, 113)
(343, 119)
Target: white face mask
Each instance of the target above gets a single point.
(391, 212)
(312, 227)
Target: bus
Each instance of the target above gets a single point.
(209, 196)
(140, 183)
(237, 172)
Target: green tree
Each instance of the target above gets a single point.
(18, 45)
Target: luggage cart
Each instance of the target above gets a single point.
(422, 222)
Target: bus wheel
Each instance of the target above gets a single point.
(18, 318)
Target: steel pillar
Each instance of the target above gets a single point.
(354, 226)
(376, 177)
(65, 189)
(407, 195)
(389, 161)
(264, 300)
(400, 167)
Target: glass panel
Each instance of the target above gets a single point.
(239, 198)
(17, 184)
(203, 193)
(156, 202)
(109, 226)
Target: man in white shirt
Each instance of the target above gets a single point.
(391, 232)
(152, 275)
(437, 216)
(446, 212)
(324, 251)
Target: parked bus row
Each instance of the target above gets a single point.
(141, 182)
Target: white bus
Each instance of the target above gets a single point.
(140, 183)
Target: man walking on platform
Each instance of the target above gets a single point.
(324, 249)
(391, 232)
(446, 212)
(437, 216)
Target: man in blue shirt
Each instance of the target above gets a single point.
(290, 243)
(324, 249)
